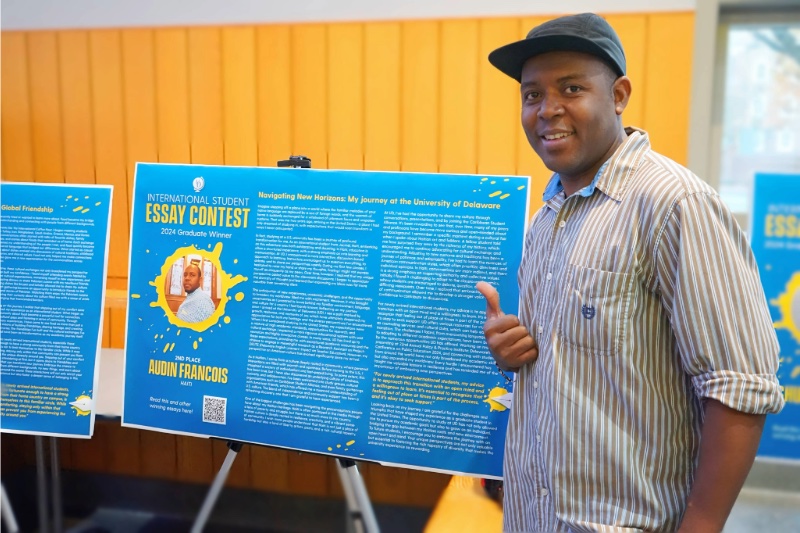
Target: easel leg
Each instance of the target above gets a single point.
(41, 486)
(216, 487)
(360, 512)
(8, 513)
(55, 487)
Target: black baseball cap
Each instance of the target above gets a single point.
(587, 33)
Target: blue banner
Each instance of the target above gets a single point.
(333, 312)
(775, 234)
(53, 256)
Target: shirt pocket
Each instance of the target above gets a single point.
(595, 311)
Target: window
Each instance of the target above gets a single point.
(774, 48)
(745, 115)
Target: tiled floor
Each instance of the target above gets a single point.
(765, 511)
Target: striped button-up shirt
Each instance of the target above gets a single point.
(644, 298)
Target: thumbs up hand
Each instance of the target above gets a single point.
(509, 341)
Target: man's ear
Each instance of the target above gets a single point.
(621, 91)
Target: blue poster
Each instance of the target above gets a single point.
(776, 244)
(333, 312)
(53, 257)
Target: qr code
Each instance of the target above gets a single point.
(214, 409)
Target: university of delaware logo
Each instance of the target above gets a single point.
(588, 311)
(198, 183)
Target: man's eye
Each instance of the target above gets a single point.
(530, 96)
(572, 89)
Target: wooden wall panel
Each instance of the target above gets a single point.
(91, 455)
(270, 469)
(419, 90)
(373, 95)
(458, 96)
(498, 102)
(139, 89)
(106, 342)
(158, 455)
(124, 448)
(274, 94)
(240, 472)
(308, 474)
(192, 461)
(109, 135)
(346, 94)
(309, 69)
(45, 95)
(15, 113)
(382, 96)
(172, 89)
(425, 487)
(76, 107)
(239, 96)
(116, 315)
(668, 76)
(632, 31)
(528, 163)
(205, 96)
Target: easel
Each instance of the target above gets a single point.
(360, 515)
(8, 513)
(10, 520)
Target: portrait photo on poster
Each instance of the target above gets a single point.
(192, 288)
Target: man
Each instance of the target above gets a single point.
(198, 305)
(644, 350)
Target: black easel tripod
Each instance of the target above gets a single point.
(360, 515)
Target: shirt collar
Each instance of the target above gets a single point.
(620, 167)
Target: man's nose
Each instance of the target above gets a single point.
(550, 106)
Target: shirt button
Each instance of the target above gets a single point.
(535, 384)
(540, 329)
(562, 224)
(549, 276)
(538, 438)
(543, 492)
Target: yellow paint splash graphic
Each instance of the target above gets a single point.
(788, 304)
(499, 193)
(227, 282)
(82, 405)
(239, 296)
(494, 393)
(347, 444)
